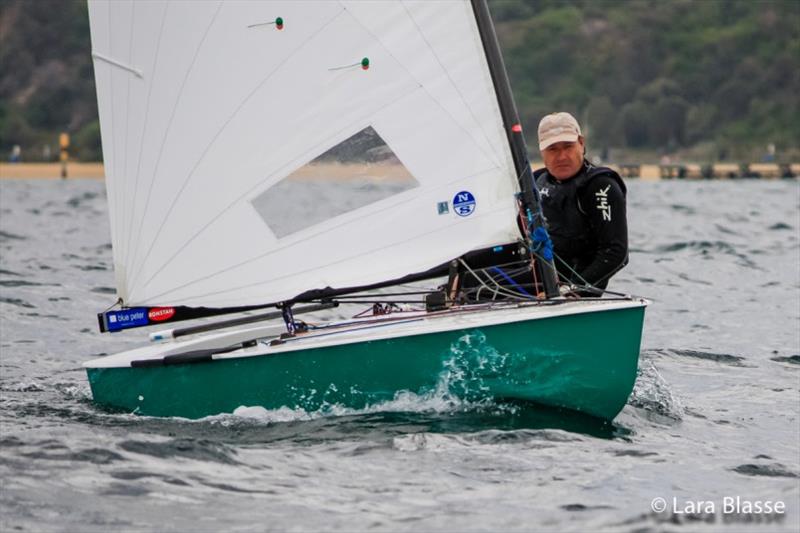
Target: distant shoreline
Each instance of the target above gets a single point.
(78, 170)
(51, 170)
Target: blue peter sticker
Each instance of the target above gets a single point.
(464, 203)
(126, 318)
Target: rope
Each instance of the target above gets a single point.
(498, 288)
(510, 280)
(588, 286)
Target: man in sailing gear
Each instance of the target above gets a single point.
(584, 206)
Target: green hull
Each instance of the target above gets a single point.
(585, 362)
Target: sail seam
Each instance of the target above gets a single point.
(119, 212)
(453, 83)
(436, 101)
(327, 229)
(258, 87)
(128, 230)
(325, 142)
(350, 258)
(169, 127)
(128, 113)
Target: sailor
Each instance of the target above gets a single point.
(584, 206)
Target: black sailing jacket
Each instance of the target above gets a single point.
(587, 223)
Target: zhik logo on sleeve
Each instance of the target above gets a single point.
(602, 203)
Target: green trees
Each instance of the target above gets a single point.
(660, 75)
(46, 77)
(654, 76)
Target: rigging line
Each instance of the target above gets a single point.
(452, 82)
(289, 164)
(430, 291)
(167, 131)
(498, 288)
(510, 280)
(522, 263)
(501, 289)
(269, 76)
(524, 266)
(617, 268)
(399, 316)
(370, 325)
(588, 285)
(457, 123)
(115, 229)
(502, 275)
(128, 109)
(299, 272)
(529, 285)
(117, 302)
(152, 81)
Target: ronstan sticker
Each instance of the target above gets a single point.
(159, 314)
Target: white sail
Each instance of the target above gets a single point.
(220, 132)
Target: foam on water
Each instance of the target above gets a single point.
(438, 400)
(652, 393)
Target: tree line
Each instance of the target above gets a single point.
(660, 75)
(651, 76)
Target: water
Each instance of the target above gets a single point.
(715, 412)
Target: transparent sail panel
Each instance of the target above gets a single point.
(357, 172)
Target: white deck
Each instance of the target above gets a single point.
(370, 328)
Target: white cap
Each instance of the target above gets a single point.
(558, 127)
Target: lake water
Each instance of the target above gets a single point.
(715, 414)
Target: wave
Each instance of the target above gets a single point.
(652, 394)
(722, 358)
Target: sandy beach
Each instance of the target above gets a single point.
(50, 170)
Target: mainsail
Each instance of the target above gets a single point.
(257, 150)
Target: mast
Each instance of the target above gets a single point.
(532, 210)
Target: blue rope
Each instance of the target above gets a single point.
(542, 243)
(511, 281)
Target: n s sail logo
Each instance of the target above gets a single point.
(464, 203)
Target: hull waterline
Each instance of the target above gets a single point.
(585, 362)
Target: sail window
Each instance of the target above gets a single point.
(359, 171)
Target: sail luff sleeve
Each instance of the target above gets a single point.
(516, 140)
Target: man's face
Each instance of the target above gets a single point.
(563, 159)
